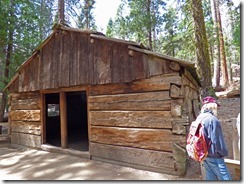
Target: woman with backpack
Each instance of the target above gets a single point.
(214, 165)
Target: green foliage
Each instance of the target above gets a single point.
(138, 20)
(82, 13)
(28, 21)
(169, 29)
(86, 17)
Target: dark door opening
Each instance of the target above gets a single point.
(77, 126)
(53, 134)
(77, 121)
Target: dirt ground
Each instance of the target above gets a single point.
(29, 164)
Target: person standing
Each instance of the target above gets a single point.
(214, 165)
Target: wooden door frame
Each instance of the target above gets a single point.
(63, 116)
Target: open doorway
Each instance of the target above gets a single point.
(53, 134)
(77, 121)
(77, 126)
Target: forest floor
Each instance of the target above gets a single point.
(29, 164)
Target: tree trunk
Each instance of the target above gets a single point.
(6, 75)
(202, 49)
(150, 23)
(216, 48)
(61, 11)
(224, 74)
(87, 13)
(7, 63)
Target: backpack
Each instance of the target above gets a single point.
(196, 145)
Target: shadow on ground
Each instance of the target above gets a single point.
(30, 164)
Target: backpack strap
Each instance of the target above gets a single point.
(200, 121)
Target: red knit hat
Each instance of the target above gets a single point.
(209, 99)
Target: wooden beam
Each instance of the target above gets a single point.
(174, 66)
(63, 120)
(43, 119)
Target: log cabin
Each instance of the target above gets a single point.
(112, 100)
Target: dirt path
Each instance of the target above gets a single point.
(29, 164)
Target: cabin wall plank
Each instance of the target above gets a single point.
(172, 78)
(25, 115)
(28, 104)
(84, 60)
(153, 139)
(64, 63)
(26, 127)
(148, 158)
(29, 140)
(143, 119)
(25, 118)
(54, 83)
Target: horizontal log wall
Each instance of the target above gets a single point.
(139, 123)
(25, 119)
(144, 159)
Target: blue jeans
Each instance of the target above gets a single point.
(215, 169)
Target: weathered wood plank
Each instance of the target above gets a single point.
(14, 87)
(174, 91)
(128, 88)
(154, 139)
(55, 62)
(146, 119)
(118, 62)
(234, 167)
(26, 139)
(26, 79)
(180, 156)
(72, 57)
(28, 104)
(140, 65)
(179, 129)
(190, 77)
(187, 82)
(155, 65)
(159, 66)
(150, 96)
(25, 115)
(172, 78)
(176, 107)
(64, 61)
(84, 61)
(21, 81)
(34, 83)
(138, 101)
(102, 62)
(150, 158)
(91, 50)
(27, 95)
(128, 71)
(46, 63)
(26, 127)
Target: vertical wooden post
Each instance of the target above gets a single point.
(43, 118)
(63, 120)
(235, 139)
